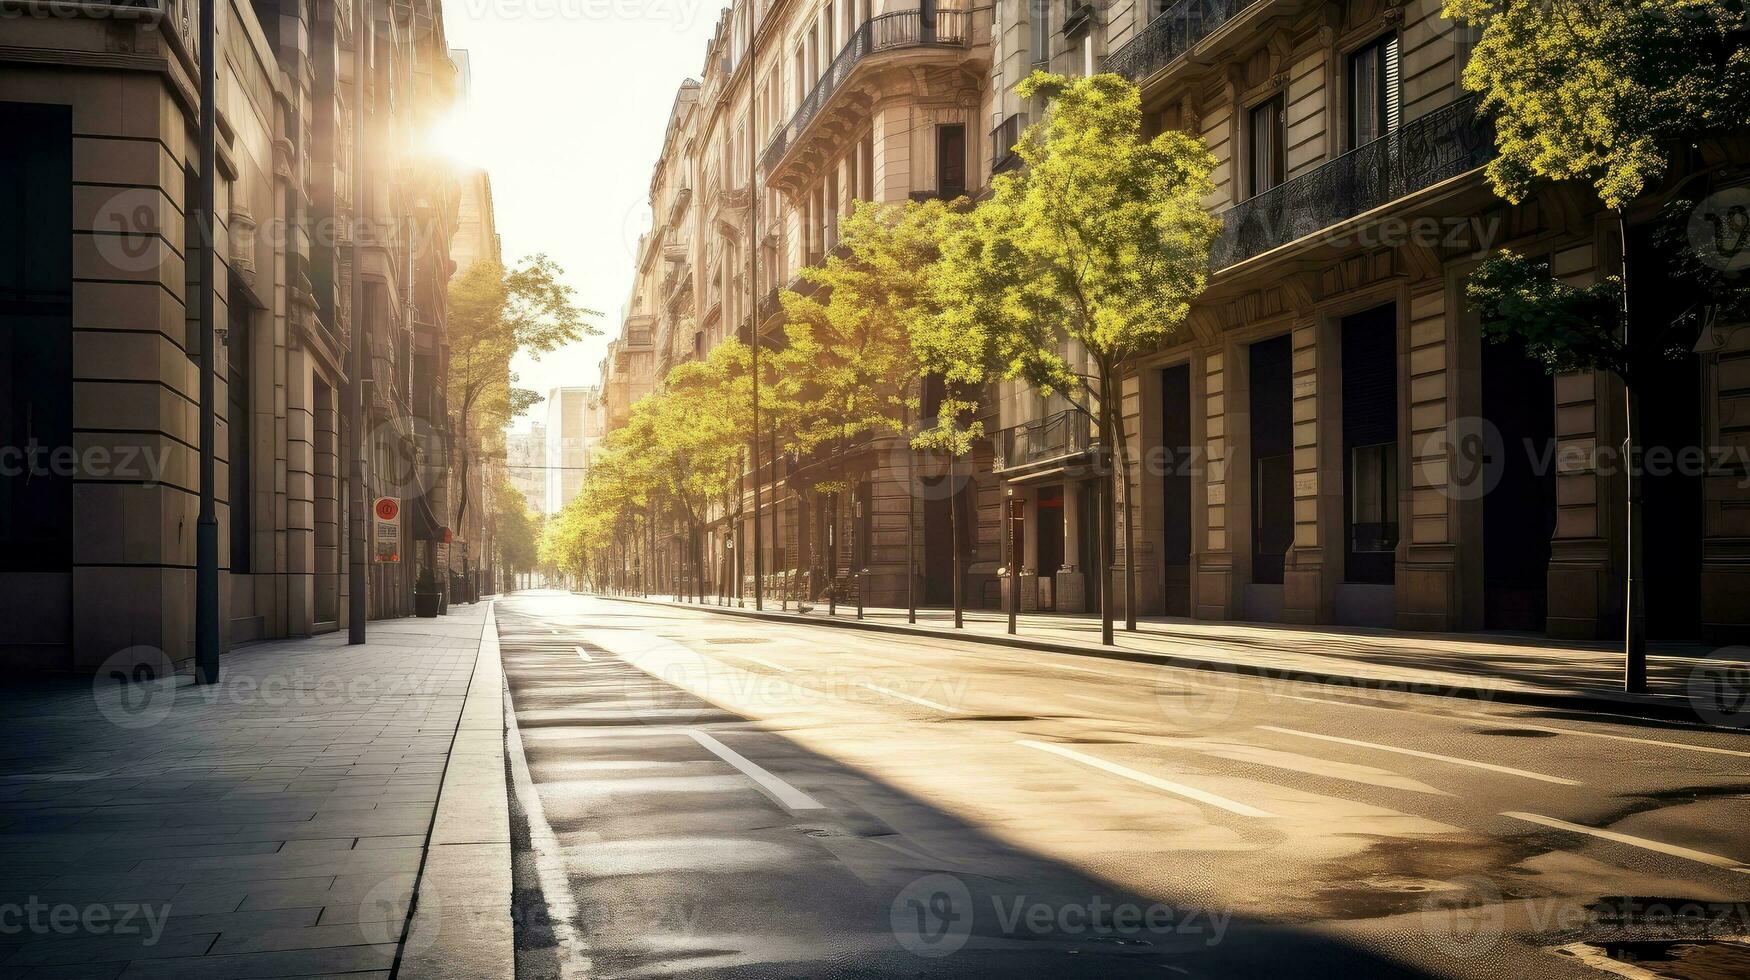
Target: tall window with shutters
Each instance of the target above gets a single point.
(1373, 91)
(1265, 132)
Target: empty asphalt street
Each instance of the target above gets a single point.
(695, 794)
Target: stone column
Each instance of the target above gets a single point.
(1309, 580)
(1071, 585)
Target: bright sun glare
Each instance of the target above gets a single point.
(457, 138)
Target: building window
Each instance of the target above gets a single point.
(1039, 30)
(1373, 91)
(36, 336)
(237, 426)
(1373, 502)
(951, 161)
(1265, 130)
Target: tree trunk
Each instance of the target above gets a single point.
(462, 424)
(1120, 442)
(911, 527)
(954, 539)
(1106, 517)
(1635, 611)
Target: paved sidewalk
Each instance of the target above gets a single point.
(275, 824)
(1685, 683)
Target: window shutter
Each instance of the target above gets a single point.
(1391, 84)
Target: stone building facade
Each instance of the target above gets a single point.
(100, 356)
(1328, 439)
(802, 109)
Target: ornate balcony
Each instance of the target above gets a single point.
(883, 32)
(1055, 436)
(1166, 38)
(1443, 144)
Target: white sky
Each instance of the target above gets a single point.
(569, 103)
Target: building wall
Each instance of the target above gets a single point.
(129, 88)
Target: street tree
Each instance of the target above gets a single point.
(1613, 93)
(1085, 258)
(517, 528)
(493, 312)
(847, 371)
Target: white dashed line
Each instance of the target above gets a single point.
(780, 668)
(785, 794)
(581, 655)
(926, 702)
(1703, 857)
(1506, 770)
(1177, 789)
(1618, 738)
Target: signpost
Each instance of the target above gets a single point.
(386, 531)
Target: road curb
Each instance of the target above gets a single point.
(461, 925)
(1653, 707)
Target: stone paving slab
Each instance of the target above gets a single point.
(274, 824)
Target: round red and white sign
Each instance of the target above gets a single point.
(387, 508)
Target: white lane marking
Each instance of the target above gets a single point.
(1177, 789)
(572, 954)
(1490, 766)
(586, 658)
(1057, 666)
(1510, 723)
(1463, 717)
(926, 702)
(787, 795)
(780, 668)
(553, 631)
(1703, 857)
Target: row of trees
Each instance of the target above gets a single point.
(494, 312)
(1092, 253)
(1086, 257)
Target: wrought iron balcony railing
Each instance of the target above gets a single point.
(1443, 144)
(1165, 38)
(884, 32)
(1056, 435)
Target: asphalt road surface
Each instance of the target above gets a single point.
(702, 795)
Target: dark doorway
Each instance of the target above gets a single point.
(1519, 514)
(1271, 399)
(1672, 453)
(1088, 540)
(951, 161)
(940, 531)
(36, 336)
(1370, 446)
(1050, 529)
(1176, 488)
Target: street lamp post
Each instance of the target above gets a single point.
(753, 266)
(206, 586)
(1014, 522)
(357, 607)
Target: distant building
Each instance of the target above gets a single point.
(573, 428)
(475, 239)
(525, 464)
